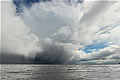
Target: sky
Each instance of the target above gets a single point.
(60, 32)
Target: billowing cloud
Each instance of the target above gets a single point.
(58, 32)
(15, 35)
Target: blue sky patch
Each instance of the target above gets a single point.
(94, 47)
(28, 3)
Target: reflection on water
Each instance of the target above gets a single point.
(59, 72)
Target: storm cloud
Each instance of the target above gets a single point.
(59, 33)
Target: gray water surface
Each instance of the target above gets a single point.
(59, 72)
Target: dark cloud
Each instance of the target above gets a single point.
(53, 54)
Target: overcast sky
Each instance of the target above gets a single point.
(61, 32)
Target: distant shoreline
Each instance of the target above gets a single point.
(53, 64)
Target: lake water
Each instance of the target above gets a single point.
(59, 72)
